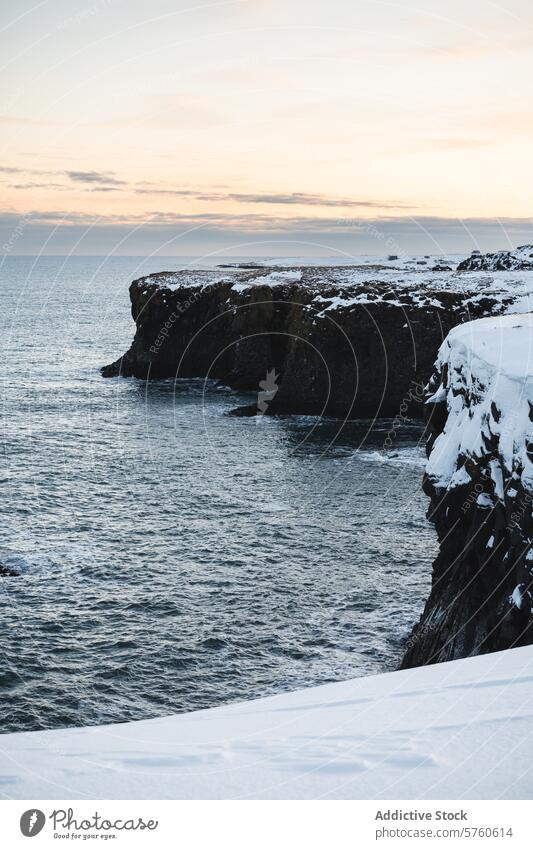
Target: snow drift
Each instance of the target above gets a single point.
(455, 731)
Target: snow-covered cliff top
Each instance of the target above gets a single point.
(520, 258)
(485, 368)
(422, 281)
(456, 730)
(503, 344)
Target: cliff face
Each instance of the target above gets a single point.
(348, 341)
(479, 478)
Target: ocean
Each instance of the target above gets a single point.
(165, 556)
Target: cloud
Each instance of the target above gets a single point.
(304, 199)
(97, 180)
(94, 177)
(276, 198)
(247, 235)
(253, 221)
(29, 172)
(36, 185)
(107, 181)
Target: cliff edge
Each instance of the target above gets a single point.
(341, 340)
(479, 478)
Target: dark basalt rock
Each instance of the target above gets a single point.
(368, 356)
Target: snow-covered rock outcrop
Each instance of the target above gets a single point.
(479, 477)
(520, 259)
(344, 340)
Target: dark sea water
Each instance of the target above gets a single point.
(170, 557)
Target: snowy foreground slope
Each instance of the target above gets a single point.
(461, 730)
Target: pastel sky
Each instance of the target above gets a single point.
(265, 126)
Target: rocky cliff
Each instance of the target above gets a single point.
(479, 479)
(344, 341)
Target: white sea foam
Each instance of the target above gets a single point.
(412, 457)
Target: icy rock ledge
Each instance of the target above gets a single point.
(479, 477)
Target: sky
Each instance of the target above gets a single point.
(265, 126)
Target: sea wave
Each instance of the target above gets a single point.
(412, 457)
